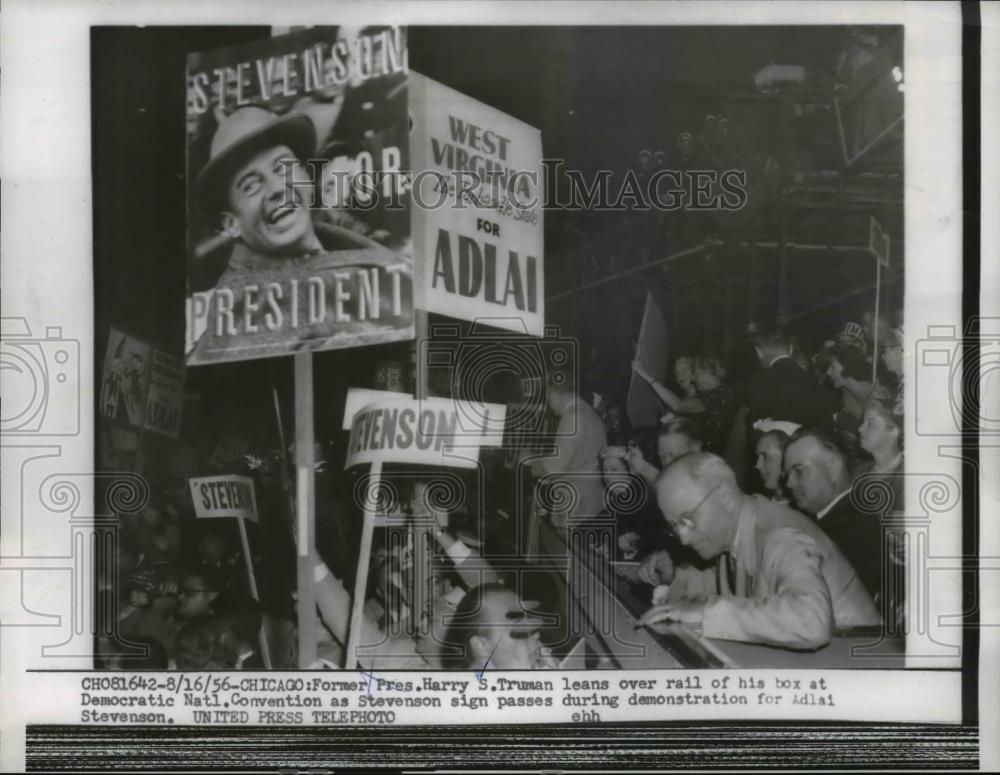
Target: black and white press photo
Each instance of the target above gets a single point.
(515, 381)
(694, 360)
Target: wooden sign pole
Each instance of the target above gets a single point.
(305, 508)
(422, 536)
(878, 291)
(265, 652)
(364, 558)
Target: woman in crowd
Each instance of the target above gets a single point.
(881, 435)
(712, 402)
(684, 376)
(891, 356)
(770, 453)
(851, 375)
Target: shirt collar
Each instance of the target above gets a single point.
(744, 547)
(826, 509)
(748, 514)
(894, 464)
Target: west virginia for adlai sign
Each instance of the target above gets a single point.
(477, 215)
(166, 395)
(141, 385)
(433, 431)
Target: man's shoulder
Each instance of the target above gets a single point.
(588, 412)
(774, 377)
(845, 518)
(584, 421)
(779, 525)
(773, 516)
(788, 372)
(844, 510)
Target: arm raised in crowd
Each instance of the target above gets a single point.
(674, 402)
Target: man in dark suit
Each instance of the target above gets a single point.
(820, 483)
(782, 390)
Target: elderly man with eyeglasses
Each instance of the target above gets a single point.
(778, 580)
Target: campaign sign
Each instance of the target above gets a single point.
(477, 215)
(165, 399)
(224, 496)
(434, 431)
(643, 406)
(298, 205)
(391, 375)
(125, 381)
(878, 242)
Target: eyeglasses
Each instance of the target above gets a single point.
(521, 632)
(186, 591)
(686, 519)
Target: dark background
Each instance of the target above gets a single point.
(600, 97)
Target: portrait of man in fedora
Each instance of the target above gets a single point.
(256, 188)
(279, 278)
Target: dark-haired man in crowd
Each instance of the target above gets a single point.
(819, 481)
(495, 629)
(579, 439)
(198, 595)
(782, 390)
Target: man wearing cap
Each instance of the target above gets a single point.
(287, 280)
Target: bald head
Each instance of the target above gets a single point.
(701, 501)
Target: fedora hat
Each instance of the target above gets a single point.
(241, 134)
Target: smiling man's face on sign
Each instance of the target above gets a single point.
(265, 209)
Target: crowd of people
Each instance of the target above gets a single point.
(759, 508)
(769, 505)
(181, 596)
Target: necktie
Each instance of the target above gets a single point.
(730, 572)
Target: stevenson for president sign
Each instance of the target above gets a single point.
(289, 140)
(478, 229)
